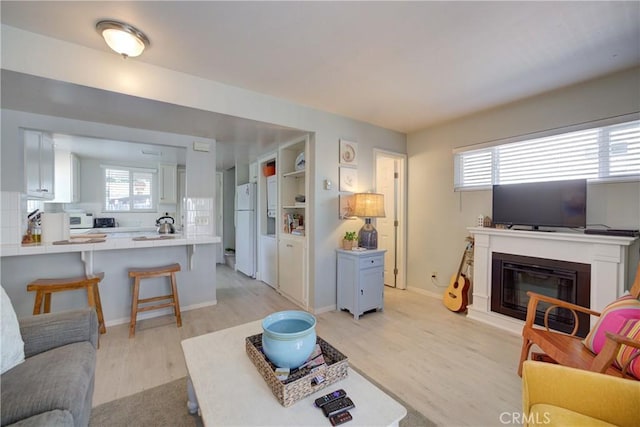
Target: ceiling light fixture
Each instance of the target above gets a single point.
(123, 38)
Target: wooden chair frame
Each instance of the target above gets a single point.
(567, 349)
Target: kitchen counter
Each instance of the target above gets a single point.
(114, 240)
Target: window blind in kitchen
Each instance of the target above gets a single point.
(128, 189)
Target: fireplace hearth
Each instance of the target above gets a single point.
(514, 275)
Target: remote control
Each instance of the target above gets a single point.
(321, 401)
(340, 418)
(337, 406)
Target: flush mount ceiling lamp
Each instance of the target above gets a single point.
(123, 38)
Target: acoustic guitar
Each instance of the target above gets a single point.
(456, 296)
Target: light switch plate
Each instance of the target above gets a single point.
(202, 220)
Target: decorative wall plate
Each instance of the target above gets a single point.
(348, 152)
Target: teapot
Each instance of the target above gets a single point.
(164, 227)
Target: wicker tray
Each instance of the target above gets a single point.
(299, 384)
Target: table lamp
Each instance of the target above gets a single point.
(367, 206)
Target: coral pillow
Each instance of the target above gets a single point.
(613, 319)
(631, 330)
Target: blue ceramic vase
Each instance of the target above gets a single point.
(288, 337)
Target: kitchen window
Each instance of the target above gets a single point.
(129, 189)
(593, 151)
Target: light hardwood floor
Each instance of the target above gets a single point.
(455, 371)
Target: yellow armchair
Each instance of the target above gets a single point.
(555, 395)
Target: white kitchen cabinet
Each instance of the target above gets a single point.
(67, 177)
(167, 183)
(268, 263)
(292, 269)
(39, 165)
(360, 280)
(272, 193)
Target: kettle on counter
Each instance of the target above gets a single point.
(166, 227)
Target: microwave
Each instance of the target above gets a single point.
(80, 220)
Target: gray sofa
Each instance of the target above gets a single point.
(54, 385)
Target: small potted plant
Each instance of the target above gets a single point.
(349, 240)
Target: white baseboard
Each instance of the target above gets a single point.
(158, 313)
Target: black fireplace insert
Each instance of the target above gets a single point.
(512, 276)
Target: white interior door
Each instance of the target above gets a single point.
(391, 181)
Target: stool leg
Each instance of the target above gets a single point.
(176, 302)
(91, 296)
(47, 302)
(37, 305)
(134, 307)
(96, 297)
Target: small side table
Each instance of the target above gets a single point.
(360, 280)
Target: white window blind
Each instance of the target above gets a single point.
(128, 190)
(597, 153)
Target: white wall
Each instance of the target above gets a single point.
(34, 54)
(438, 216)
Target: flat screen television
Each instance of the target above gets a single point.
(541, 204)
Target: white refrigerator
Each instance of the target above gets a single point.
(246, 229)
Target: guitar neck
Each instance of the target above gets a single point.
(464, 254)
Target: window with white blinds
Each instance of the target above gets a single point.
(609, 152)
(128, 190)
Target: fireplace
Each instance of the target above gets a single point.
(609, 258)
(512, 276)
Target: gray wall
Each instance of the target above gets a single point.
(438, 216)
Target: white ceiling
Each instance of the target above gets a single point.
(399, 65)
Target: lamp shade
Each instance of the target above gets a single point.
(368, 205)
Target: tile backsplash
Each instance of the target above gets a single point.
(13, 214)
(198, 216)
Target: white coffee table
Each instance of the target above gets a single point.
(230, 391)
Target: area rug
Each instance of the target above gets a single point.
(166, 405)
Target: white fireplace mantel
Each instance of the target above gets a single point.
(609, 257)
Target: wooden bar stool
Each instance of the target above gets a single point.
(45, 287)
(147, 273)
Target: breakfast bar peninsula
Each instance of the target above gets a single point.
(112, 255)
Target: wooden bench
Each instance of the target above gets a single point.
(567, 349)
